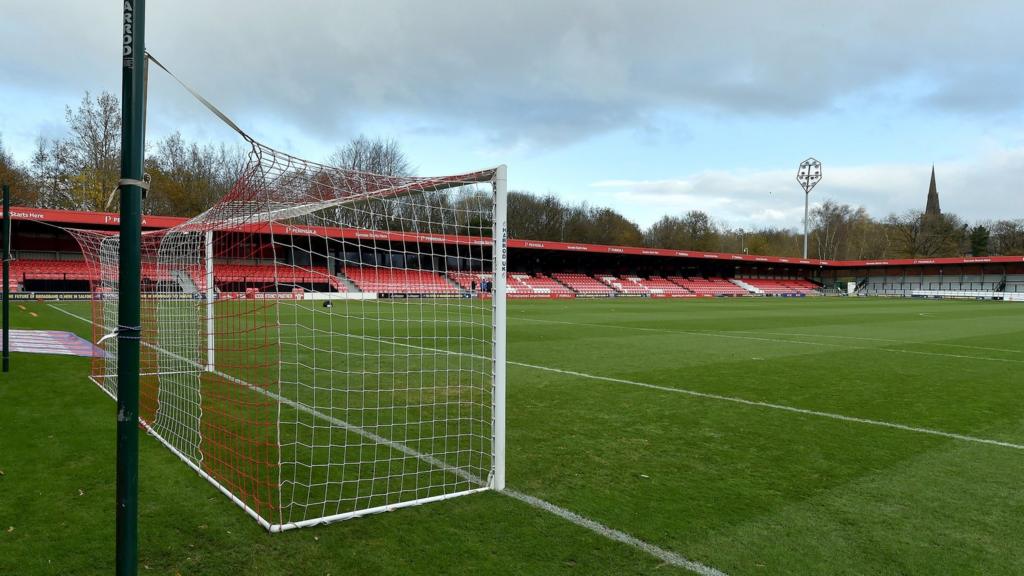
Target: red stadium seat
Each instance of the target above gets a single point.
(709, 286)
(775, 286)
(584, 285)
(399, 281)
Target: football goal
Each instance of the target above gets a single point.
(324, 343)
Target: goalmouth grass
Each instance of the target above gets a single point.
(596, 428)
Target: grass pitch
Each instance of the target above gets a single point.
(755, 436)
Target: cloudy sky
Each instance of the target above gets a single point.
(650, 107)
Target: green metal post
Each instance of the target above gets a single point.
(7, 277)
(129, 287)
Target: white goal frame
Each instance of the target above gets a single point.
(495, 480)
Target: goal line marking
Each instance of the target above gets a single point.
(666, 556)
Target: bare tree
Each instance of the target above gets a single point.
(1007, 237)
(668, 232)
(188, 178)
(701, 231)
(832, 228)
(695, 230)
(377, 156)
(52, 174)
(869, 239)
(23, 193)
(93, 149)
(609, 227)
(920, 235)
(533, 217)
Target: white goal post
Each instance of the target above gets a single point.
(322, 343)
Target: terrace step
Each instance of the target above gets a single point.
(451, 281)
(349, 285)
(749, 288)
(184, 281)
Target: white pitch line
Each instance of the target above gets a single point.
(612, 534)
(666, 556)
(782, 407)
(734, 399)
(739, 336)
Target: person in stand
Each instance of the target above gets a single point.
(472, 287)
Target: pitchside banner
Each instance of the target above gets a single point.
(50, 296)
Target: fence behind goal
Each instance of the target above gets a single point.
(302, 398)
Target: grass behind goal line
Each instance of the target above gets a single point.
(746, 489)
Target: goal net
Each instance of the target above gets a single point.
(323, 343)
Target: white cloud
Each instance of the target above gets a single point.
(534, 78)
(983, 188)
(532, 70)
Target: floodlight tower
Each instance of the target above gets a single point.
(808, 175)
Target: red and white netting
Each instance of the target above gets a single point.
(306, 343)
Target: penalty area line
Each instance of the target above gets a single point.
(733, 399)
(666, 556)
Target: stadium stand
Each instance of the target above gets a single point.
(584, 285)
(51, 270)
(906, 285)
(623, 286)
(465, 280)
(887, 287)
(806, 284)
(264, 274)
(394, 281)
(658, 286)
(1014, 283)
(49, 260)
(198, 276)
(151, 273)
(538, 285)
(774, 287)
(50, 274)
(709, 286)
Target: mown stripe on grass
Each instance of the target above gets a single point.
(888, 340)
(783, 407)
(739, 336)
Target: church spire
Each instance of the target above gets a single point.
(932, 208)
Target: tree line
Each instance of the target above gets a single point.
(80, 172)
(837, 232)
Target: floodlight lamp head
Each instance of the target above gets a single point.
(809, 174)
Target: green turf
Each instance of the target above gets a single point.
(747, 489)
